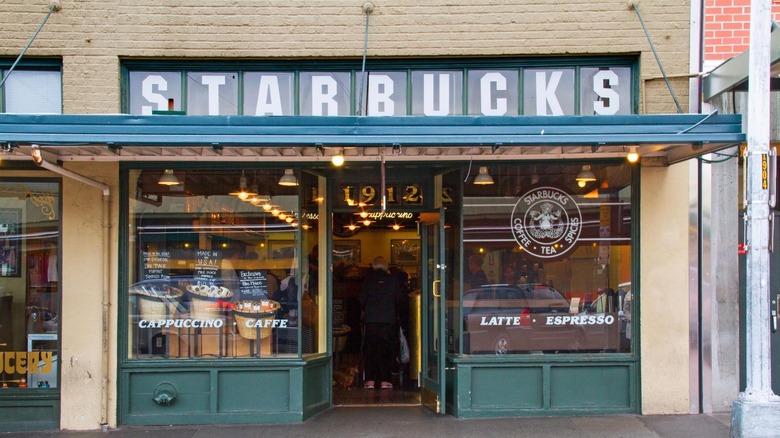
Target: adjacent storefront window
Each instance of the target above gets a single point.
(29, 283)
(214, 265)
(547, 259)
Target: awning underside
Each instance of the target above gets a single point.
(669, 138)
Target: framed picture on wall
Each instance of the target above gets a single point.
(346, 252)
(281, 249)
(10, 242)
(405, 251)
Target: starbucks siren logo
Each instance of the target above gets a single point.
(546, 222)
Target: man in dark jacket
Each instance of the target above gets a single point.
(379, 301)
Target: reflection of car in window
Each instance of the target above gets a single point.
(529, 318)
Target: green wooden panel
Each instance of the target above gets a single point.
(29, 415)
(254, 391)
(193, 392)
(590, 387)
(506, 387)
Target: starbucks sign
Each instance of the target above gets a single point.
(546, 222)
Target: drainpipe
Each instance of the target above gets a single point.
(106, 302)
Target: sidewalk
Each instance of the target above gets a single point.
(411, 422)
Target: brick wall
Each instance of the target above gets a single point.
(727, 28)
(93, 35)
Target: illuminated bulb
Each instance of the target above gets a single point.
(289, 219)
(396, 227)
(305, 226)
(364, 214)
(224, 245)
(581, 183)
(267, 207)
(275, 212)
(482, 250)
(294, 224)
(255, 201)
(186, 245)
(282, 216)
(366, 222)
(352, 227)
(243, 195)
(262, 245)
(338, 159)
(632, 156)
(319, 199)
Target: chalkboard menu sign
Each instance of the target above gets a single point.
(156, 265)
(252, 284)
(207, 264)
(339, 312)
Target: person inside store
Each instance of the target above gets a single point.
(509, 275)
(380, 300)
(477, 276)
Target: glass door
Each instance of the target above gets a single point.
(433, 306)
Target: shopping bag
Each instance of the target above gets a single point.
(404, 356)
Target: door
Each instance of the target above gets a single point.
(433, 312)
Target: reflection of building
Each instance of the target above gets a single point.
(450, 109)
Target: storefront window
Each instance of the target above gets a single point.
(547, 259)
(29, 284)
(213, 264)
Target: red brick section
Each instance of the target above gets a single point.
(727, 27)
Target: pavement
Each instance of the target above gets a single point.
(416, 421)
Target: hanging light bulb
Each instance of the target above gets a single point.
(275, 211)
(288, 179)
(483, 177)
(338, 159)
(168, 178)
(368, 222)
(243, 192)
(305, 226)
(363, 214)
(294, 224)
(396, 227)
(282, 216)
(633, 155)
(289, 219)
(585, 176)
(267, 206)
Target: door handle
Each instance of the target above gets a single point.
(437, 290)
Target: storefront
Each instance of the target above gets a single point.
(507, 205)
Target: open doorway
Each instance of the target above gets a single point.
(358, 239)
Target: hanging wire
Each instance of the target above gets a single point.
(52, 8)
(367, 10)
(657, 59)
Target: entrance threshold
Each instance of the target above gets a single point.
(359, 397)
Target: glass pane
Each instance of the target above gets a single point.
(547, 262)
(268, 94)
(150, 91)
(548, 91)
(325, 94)
(437, 93)
(432, 243)
(313, 308)
(33, 92)
(29, 284)
(213, 264)
(384, 93)
(212, 94)
(605, 91)
(493, 92)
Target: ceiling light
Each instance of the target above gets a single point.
(305, 226)
(275, 211)
(168, 178)
(288, 179)
(368, 222)
(585, 176)
(483, 177)
(396, 227)
(282, 216)
(364, 214)
(352, 227)
(37, 158)
(294, 224)
(267, 206)
(633, 155)
(338, 159)
(289, 219)
(243, 193)
(251, 195)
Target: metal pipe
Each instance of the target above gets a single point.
(367, 9)
(657, 59)
(55, 6)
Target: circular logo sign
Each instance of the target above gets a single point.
(546, 222)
